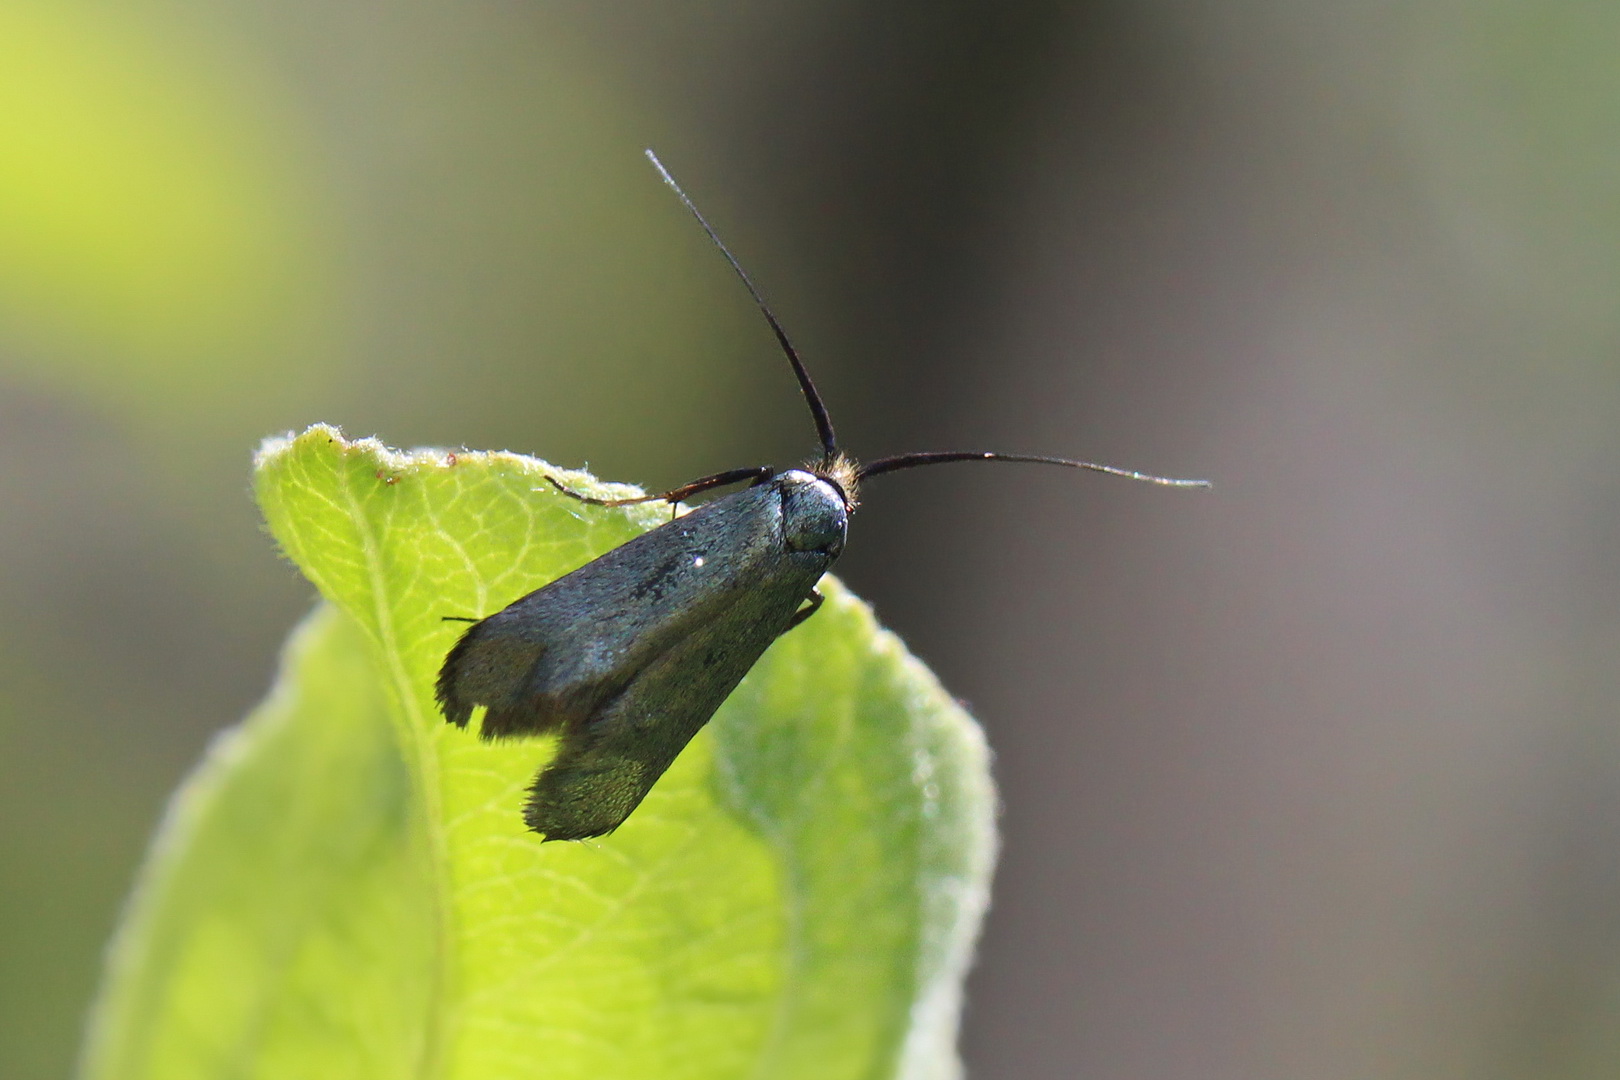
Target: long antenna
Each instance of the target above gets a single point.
(941, 457)
(824, 427)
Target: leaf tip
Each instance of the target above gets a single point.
(274, 447)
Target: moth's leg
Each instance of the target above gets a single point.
(757, 474)
(816, 600)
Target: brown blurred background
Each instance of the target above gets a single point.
(1316, 776)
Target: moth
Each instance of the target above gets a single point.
(626, 658)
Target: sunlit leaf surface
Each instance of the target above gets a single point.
(346, 889)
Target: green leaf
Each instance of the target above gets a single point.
(346, 889)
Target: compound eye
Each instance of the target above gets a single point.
(814, 517)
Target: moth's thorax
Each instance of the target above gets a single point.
(814, 517)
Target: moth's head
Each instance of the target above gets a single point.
(815, 512)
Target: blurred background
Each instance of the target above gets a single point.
(1317, 775)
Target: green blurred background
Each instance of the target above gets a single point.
(1316, 776)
